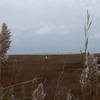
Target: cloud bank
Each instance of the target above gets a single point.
(49, 26)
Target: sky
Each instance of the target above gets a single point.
(50, 26)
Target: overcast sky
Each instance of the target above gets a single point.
(50, 26)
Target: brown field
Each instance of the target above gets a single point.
(21, 68)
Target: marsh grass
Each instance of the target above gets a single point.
(90, 72)
(88, 78)
(38, 93)
(59, 92)
(4, 41)
(4, 46)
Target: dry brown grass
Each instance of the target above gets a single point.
(38, 93)
(88, 78)
(4, 41)
(4, 46)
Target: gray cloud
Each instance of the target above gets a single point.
(36, 22)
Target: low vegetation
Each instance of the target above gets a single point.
(88, 78)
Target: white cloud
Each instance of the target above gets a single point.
(51, 14)
(48, 17)
(95, 36)
(54, 30)
(42, 30)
